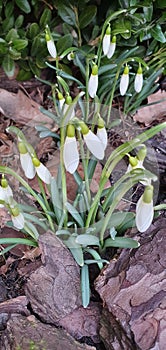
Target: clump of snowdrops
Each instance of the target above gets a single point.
(90, 223)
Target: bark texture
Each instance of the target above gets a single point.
(133, 289)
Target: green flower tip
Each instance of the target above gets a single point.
(4, 183)
(47, 35)
(126, 70)
(108, 30)
(70, 130)
(68, 100)
(148, 194)
(113, 40)
(142, 153)
(15, 211)
(95, 69)
(22, 148)
(84, 128)
(133, 161)
(60, 96)
(35, 161)
(101, 123)
(139, 71)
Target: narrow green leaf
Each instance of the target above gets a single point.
(85, 239)
(75, 214)
(85, 286)
(56, 200)
(75, 249)
(18, 241)
(7, 249)
(121, 242)
(96, 257)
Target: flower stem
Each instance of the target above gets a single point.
(85, 166)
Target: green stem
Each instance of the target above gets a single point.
(6, 170)
(86, 91)
(78, 27)
(43, 193)
(63, 175)
(85, 166)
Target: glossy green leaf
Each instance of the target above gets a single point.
(158, 34)
(12, 35)
(85, 239)
(18, 241)
(19, 21)
(8, 23)
(23, 5)
(87, 16)
(67, 14)
(9, 7)
(20, 44)
(45, 18)
(96, 257)
(85, 286)
(8, 66)
(64, 43)
(33, 30)
(121, 242)
(24, 75)
(75, 249)
(148, 12)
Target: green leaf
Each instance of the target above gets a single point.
(12, 35)
(85, 286)
(87, 16)
(158, 34)
(75, 214)
(9, 9)
(96, 257)
(24, 75)
(64, 43)
(85, 239)
(8, 24)
(19, 21)
(67, 14)
(75, 249)
(121, 242)
(20, 44)
(23, 5)
(8, 66)
(148, 12)
(33, 31)
(45, 18)
(18, 241)
(56, 200)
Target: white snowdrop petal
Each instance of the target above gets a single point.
(111, 50)
(18, 221)
(144, 214)
(124, 83)
(27, 165)
(102, 135)
(138, 82)
(69, 109)
(2, 196)
(51, 48)
(70, 154)
(93, 85)
(43, 173)
(106, 43)
(94, 144)
(61, 103)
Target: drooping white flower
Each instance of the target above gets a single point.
(145, 210)
(70, 151)
(93, 143)
(124, 81)
(70, 56)
(26, 161)
(138, 82)
(61, 100)
(17, 218)
(42, 171)
(50, 43)
(106, 40)
(93, 82)
(5, 192)
(102, 133)
(112, 47)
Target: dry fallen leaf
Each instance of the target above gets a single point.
(156, 111)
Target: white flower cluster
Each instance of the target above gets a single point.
(95, 143)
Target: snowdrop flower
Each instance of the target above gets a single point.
(106, 40)
(70, 151)
(112, 47)
(5, 192)
(69, 109)
(70, 56)
(93, 82)
(50, 43)
(61, 100)
(42, 171)
(138, 82)
(124, 82)
(17, 218)
(144, 209)
(93, 143)
(102, 133)
(26, 161)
